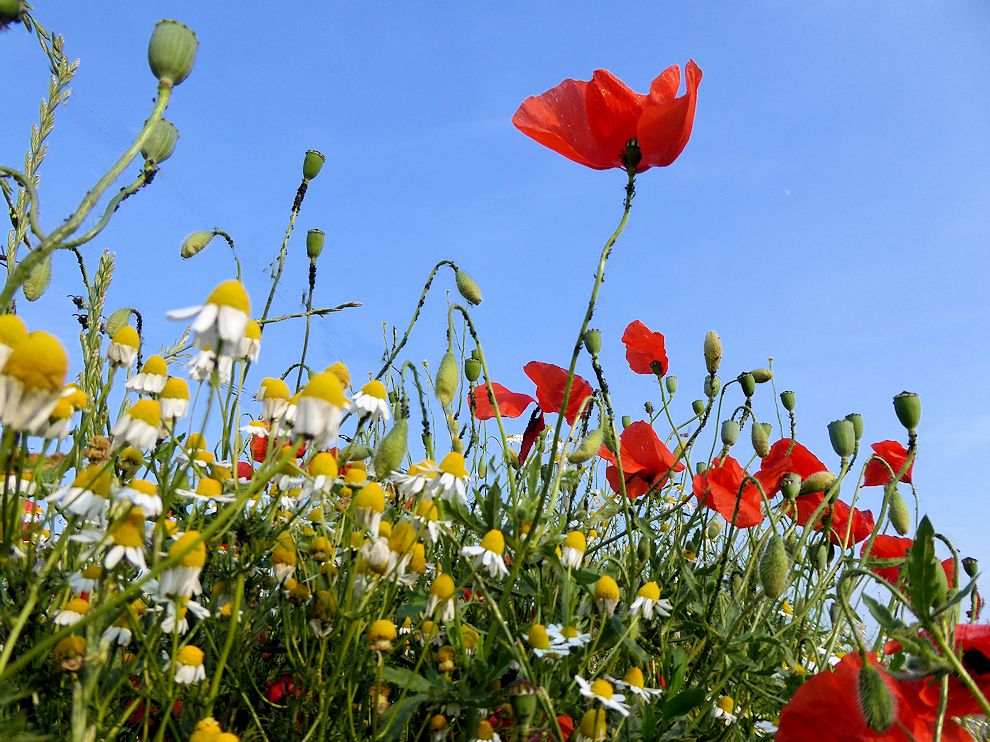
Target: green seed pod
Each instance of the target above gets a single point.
(314, 243)
(819, 482)
(790, 485)
(468, 287)
(195, 243)
(787, 399)
(748, 384)
(698, 406)
(593, 341)
(312, 163)
(161, 144)
(648, 406)
(644, 549)
(472, 369)
(700, 468)
(38, 279)
(354, 452)
(482, 469)
(117, 320)
(713, 352)
(761, 375)
(632, 155)
(791, 544)
(736, 584)
(671, 383)
(760, 439)
(626, 421)
(172, 51)
(10, 11)
(522, 695)
(857, 422)
(875, 700)
(900, 517)
(391, 449)
(714, 529)
(842, 435)
(821, 557)
(971, 566)
(588, 448)
(907, 405)
(712, 386)
(730, 432)
(774, 567)
(445, 384)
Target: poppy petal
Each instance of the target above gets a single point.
(558, 119)
(550, 382)
(613, 113)
(510, 404)
(895, 455)
(644, 347)
(537, 424)
(665, 126)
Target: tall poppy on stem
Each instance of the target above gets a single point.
(645, 349)
(721, 485)
(510, 404)
(890, 454)
(550, 382)
(646, 462)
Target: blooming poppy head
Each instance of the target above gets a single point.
(550, 381)
(721, 486)
(646, 461)
(645, 349)
(787, 456)
(510, 404)
(893, 456)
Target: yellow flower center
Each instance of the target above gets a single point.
(128, 336)
(384, 529)
(417, 562)
(340, 371)
(786, 608)
(75, 396)
(323, 465)
(576, 540)
(12, 330)
(485, 731)
(147, 411)
(371, 497)
(538, 637)
(634, 676)
(427, 510)
(77, 605)
(726, 704)
(649, 591)
(602, 689)
(231, 294)
(190, 655)
(425, 468)
(494, 542)
(375, 389)
(327, 387)
(129, 534)
(175, 388)
(442, 587)
(92, 573)
(94, 478)
(63, 410)
(593, 724)
(569, 632)
(209, 488)
(402, 539)
(453, 463)
(196, 556)
(155, 366)
(144, 486)
(274, 389)
(606, 589)
(355, 475)
(252, 331)
(39, 361)
(382, 629)
(195, 442)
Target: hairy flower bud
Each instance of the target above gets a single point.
(588, 447)
(900, 517)
(445, 384)
(761, 375)
(468, 287)
(626, 421)
(314, 243)
(730, 432)
(312, 163)
(760, 438)
(593, 341)
(857, 422)
(787, 399)
(391, 449)
(713, 352)
(748, 384)
(172, 51)
(842, 435)
(38, 279)
(971, 566)
(713, 385)
(819, 482)
(195, 243)
(907, 406)
(774, 567)
(875, 699)
(790, 485)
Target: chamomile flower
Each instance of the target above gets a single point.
(649, 603)
(485, 733)
(72, 612)
(417, 478)
(70, 653)
(543, 644)
(124, 347)
(452, 479)
(138, 426)
(250, 346)
(207, 490)
(723, 710)
(202, 365)
(569, 635)
(274, 396)
(572, 552)
(88, 493)
(602, 691)
(381, 634)
(143, 494)
(85, 580)
(12, 331)
(284, 557)
(320, 409)
(489, 554)
(369, 504)
(592, 727)
(427, 517)
(634, 681)
(372, 401)
(174, 399)
(177, 614)
(442, 598)
(151, 379)
(21, 484)
(182, 579)
(127, 540)
(222, 319)
(606, 594)
(323, 474)
(189, 665)
(401, 543)
(31, 382)
(59, 422)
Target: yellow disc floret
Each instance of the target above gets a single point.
(196, 554)
(128, 336)
(493, 541)
(175, 388)
(340, 371)
(156, 366)
(39, 361)
(576, 540)
(12, 330)
(253, 330)
(274, 389)
(323, 465)
(606, 589)
(231, 294)
(649, 591)
(375, 389)
(94, 478)
(453, 463)
(602, 689)
(327, 387)
(371, 497)
(190, 655)
(538, 637)
(442, 587)
(147, 411)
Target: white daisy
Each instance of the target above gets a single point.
(138, 426)
(372, 401)
(189, 665)
(649, 603)
(601, 690)
(451, 482)
(151, 379)
(222, 320)
(488, 554)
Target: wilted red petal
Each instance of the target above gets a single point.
(719, 489)
(536, 426)
(510, 404)
(566, 725)
(783, 459)
(895, 455)
(858, 524)
(550, 381)
(644, 348)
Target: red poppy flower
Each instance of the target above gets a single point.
(646, 462)
(895, 455)
(510, 404)
(244, 470)
(644, 348)
(718, 488)
(280, 688)
(826, 709)
(590, 122)
(537, 424)
(858, 524)
(566, 725)
(896, 547)
(550, 381)
(783, 459)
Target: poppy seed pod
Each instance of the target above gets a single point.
(700, 468)
(761, 375)
(698, 406)
(748, 384)
(842, 435)
(907, 406)
(161, 144)
(194, 244)
(787, 399)
(391, 449)
(730, 432)
(632, 156)
(38, 279)
(117, 320)
(472, 369)
(875, 699)
(593, 341)
(626, 421)
(713, 385)
(971, 566)
(900, 517)
(774, 567)
(760, 439)
(671, 383)
(468, 287)
(445, 384)
(313, 163)
(790, 485)
(588, 447)
(713, 352)
(172, 51)
(857, 422)
(314, 243)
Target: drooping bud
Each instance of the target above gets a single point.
(713, 352)
(761, 375)
(195, 243)
(842, 435)
(314, 243)
(730, 432)
(875, 699)
(391, 449)
(312, 163)
(787, 399)
(774, 567)
(445, 384)
(713, 385)
(698, 406)
(971, 566)
(172, 51)
(900, 517)
(38, 279)
(714, 529)
(626, 421)
(671, 383)
(588, 447)
(819, 482)
(748, 384)
(593, 341)
(790, 485)
(354, 452)
(907, 406)
(468, 287)
(117, 320)
(760, 437)
(472, 369)
(857, 422)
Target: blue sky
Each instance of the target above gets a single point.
(832, 209)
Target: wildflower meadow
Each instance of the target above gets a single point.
(211, 541)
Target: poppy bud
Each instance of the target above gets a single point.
(736, 584)
(834, 613)
(161, 144)
(472, 369)
(842, 435)
(760, 437)
(713, 352)
(468, 288)
(644, 549)
(626, 421)
(354, 452)
(875, 699)
(714, 529)
(587, 449)
(671, 383)
(748, 384)
(818, 482)
(632, 156)
(857, 422)
(482, 469)
(117, 320)
(195, 243)
(791, 546)
(10, 11)
(713, 385)
(38, 279)
(698, 406)
(774, 567)
(312, 163)
(899, 516)
(907, 405)
(610, 439)
(762, 375)
(314, 243)
(971, 566)
(821, 557)
(391, 449)
(730, 432)
(790, 485)
(648, 406)
(593, 341)
(172, 51)
(445, 384)
(787, 399)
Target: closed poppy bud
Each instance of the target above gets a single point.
(117, 320)
(626, 421)
(971, 566)
(899, 516)
(857, 422)
(445, 385)
(472, 369)
(314, 243)
(172, 51)
(698, 406)
(907, 405)
(787, 399)
(713, 385)
(761, 375)
(671, 383)
(632, 156)
(38, 279)
(760, 437)
(161, 144)
(195, 243)
(842, 435)
(468, 288)
(714, 529)
(730, 432)
(790, 485)
(648, 406)
(644, 549)
(312, 163)
(593, 341)
(354, 452)
(875, 699)
(588, 447)
(748, 384)
(392, 448)
(774, 567)
(819, 482)
(713, 352)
